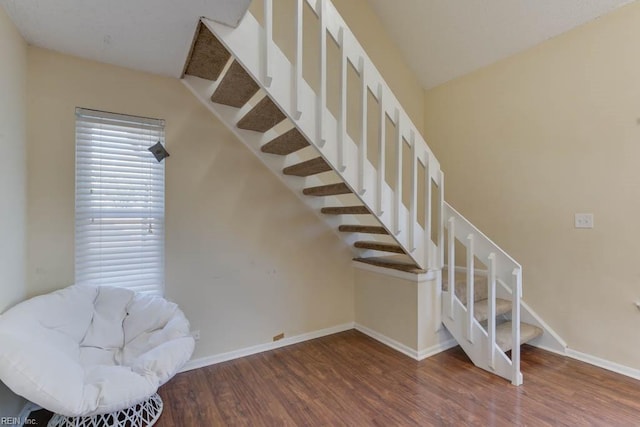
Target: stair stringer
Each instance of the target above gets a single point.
(203, 89)
(478, 347)
(245, 43)
(550, 340)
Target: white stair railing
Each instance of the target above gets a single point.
(252, 45)
(502, 270)
(283, 81)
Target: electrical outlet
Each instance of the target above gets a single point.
(584, 220)
(196, 335)
(279, 336)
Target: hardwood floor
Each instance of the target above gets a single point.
(351, 379)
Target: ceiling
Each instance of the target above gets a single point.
(147, 35)
(441, 39)
(445, 39)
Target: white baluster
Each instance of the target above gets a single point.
(413, 200)
(322, 96)
(398, 192)
(342, 120)
(441, 216)
(451, 270)
(297, 80)
(470, 287)
(268, 42)
(381, 151)
(516, 378)
(491, 325)
(427, 212)
(363, 129)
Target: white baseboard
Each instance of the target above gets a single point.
(248, 351)
(389, 342)
(437, 348)
(404, 349)
(605, 364)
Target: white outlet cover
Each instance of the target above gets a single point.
(584, 220)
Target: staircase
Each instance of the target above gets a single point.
(247, 81)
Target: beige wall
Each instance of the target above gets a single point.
(533, 139)
(13, 89)
(402, 309)
(246, 259)
(13, 108)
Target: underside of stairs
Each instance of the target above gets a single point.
(257, 112)
(249, 84)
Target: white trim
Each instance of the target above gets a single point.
(248, 351)
(605, 364)
(389, 342)
(437, 348)
(412, 277)
(404, 349)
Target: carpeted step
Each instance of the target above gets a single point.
(236, 88)
(327, 190)
(308, 168)
(287, 143)
(481, 308)
(368, 229)
(390, 262)
(262, 117)
(504, 339)
(207, 56)
(346, 210)
(379, 246)
(480, 285)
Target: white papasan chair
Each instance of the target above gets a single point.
(94, 355)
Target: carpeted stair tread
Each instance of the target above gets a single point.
(345, 210)
(480, 283)
(236, 88)
(368, 229)
(481, 308)
(504, 338)
(287, 143)
(308, 168)
(327, 190)
(379, 246)
(262, 117)
(389, 262)
(207, 57)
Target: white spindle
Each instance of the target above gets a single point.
(413, 201)
(427, 212)
(342, 120)
(441, 216)
(491, 325)
(516, 378)
(362, 154)
(381, 151)
(268, 42)
(297, 80)
(451, 270)
(322, 98)
(398, 193)
(470, 287)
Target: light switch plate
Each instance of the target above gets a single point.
(584, 220)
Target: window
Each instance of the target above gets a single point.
(119, 224)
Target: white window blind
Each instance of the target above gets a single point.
(119, 224)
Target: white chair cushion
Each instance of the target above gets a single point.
(84, 350)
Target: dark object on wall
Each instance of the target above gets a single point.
(158, 151)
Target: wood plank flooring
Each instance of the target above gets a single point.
(351, 379)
